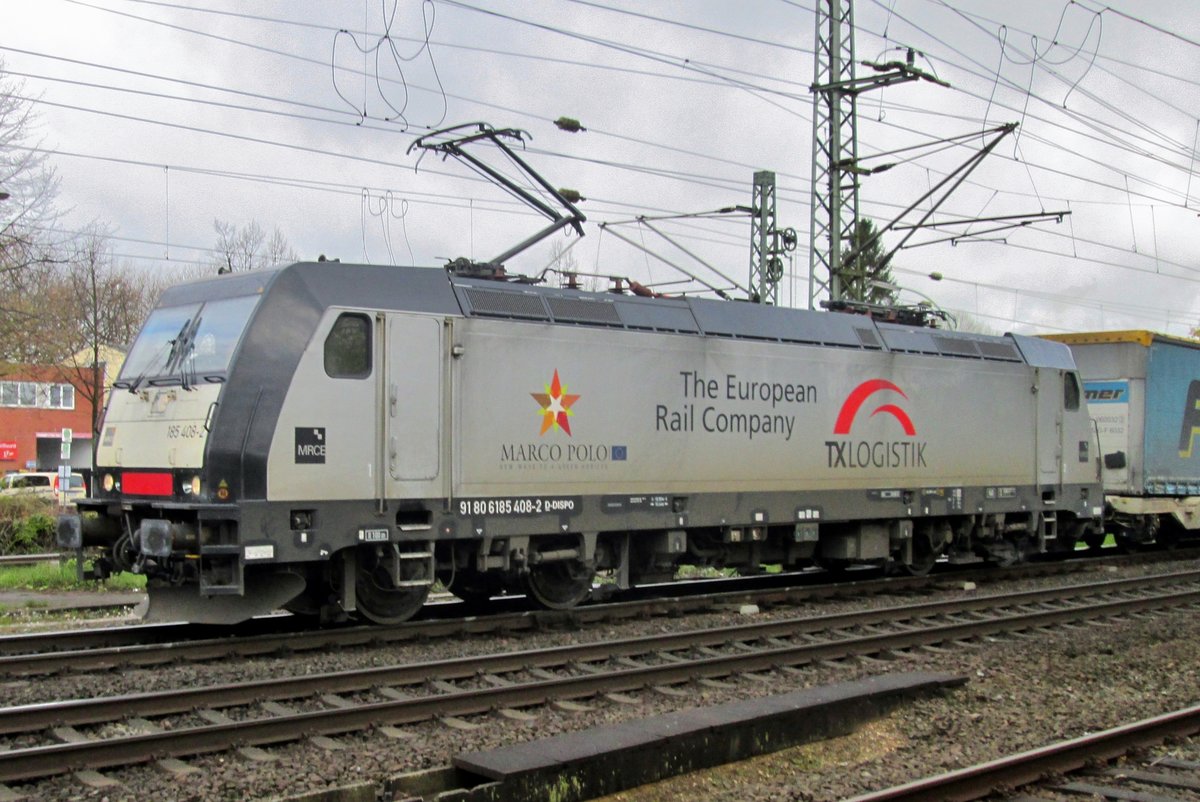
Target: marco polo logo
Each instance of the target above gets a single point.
(555, 406)
(850, 453)
(555, 446)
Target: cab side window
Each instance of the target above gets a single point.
(348, 347)
(1071, 391)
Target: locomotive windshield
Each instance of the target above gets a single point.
(186, 341)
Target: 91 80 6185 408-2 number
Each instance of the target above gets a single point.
(515, 506)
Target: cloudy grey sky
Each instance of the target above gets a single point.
(164, 116)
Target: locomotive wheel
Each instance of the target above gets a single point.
(559, 585)
(123, 553)
(378, 599)
(924, 556)
(1168, 532)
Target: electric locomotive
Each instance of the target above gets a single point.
(334, 438)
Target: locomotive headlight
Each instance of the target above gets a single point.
(191, 486)
(195, 485)
(109, 482)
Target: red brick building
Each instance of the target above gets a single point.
(36, 403)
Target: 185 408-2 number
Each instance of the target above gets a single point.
(183, 431)
(535, 505)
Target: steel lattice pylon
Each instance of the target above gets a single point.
(835, 167)
(834, 152)
(765, 266)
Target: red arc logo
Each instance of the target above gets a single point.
(859, 396)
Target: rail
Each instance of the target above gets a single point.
(418, 692)
(977, 782)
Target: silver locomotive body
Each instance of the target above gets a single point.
(369, 430)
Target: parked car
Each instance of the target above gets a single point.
(42, 483)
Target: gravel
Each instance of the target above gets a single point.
(1022, 693)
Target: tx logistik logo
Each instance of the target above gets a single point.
(555, 406)
(854, 454)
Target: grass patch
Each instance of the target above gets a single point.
(791, 767)
(26, 524)
(56, 576)
(704, 572)
(31, 619)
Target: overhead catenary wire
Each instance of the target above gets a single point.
(441, 199)
(355, 191)
(1103, 130)
(153, 2)
(732, 184)
(76, 0)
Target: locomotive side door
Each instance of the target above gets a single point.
(1048, 431)
(411, 406)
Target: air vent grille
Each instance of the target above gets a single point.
(1005, 351)
(580, 310)
(868, 338)
(951, 345)
(506, 304)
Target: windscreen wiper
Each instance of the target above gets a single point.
(176, 345)
(181, 349)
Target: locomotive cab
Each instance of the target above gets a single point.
(252, 441)
(154, 502)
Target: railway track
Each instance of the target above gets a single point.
(286, 709)
(105, 648)
(1141, 778)
(9, 560)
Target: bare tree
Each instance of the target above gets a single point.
(27, 183)
(28, 187)
(563, 260)
(248, 248)
(278, 250)
(107, 305)
(973, 324)
(61, 302)
(29, 297)
(152, 285)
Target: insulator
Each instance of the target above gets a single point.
(569, 124)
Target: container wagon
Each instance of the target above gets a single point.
(1143, 392)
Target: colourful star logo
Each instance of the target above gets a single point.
(556, 406)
